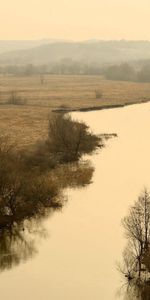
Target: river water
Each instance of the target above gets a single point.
(77, 260)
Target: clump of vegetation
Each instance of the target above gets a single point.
(23, 193)
(15, 99)
(68, 140)
(98, 94)
(29, 181)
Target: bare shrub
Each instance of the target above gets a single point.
(69, 139)
(42, 79)
(15, 99)
(98, 94)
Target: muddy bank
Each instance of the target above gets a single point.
(100, 107)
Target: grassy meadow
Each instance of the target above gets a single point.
(28, 122)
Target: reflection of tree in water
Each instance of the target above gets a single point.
(136, 290)
(19, 243)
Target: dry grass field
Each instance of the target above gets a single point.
(28, 123)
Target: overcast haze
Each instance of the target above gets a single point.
(75, 19)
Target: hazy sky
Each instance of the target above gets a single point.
(75, 19)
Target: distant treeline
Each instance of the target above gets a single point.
(134, 71)
(128, 72)
(63, 67)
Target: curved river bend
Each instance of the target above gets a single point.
(78, 259)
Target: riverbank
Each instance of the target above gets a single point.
(27, 122)
(101, 107)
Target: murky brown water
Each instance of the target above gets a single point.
(78, 259)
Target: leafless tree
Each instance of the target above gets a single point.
(137, 229)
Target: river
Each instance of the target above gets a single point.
(77, 260)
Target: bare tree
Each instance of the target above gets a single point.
(137, 223)
(137, 229)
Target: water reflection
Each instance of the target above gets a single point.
(135, 290)
(18, 243)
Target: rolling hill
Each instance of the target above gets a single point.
(94, 51)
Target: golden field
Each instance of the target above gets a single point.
(28, 123)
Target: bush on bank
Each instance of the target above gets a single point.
(29, 180)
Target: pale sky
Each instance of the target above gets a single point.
(75, 19)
